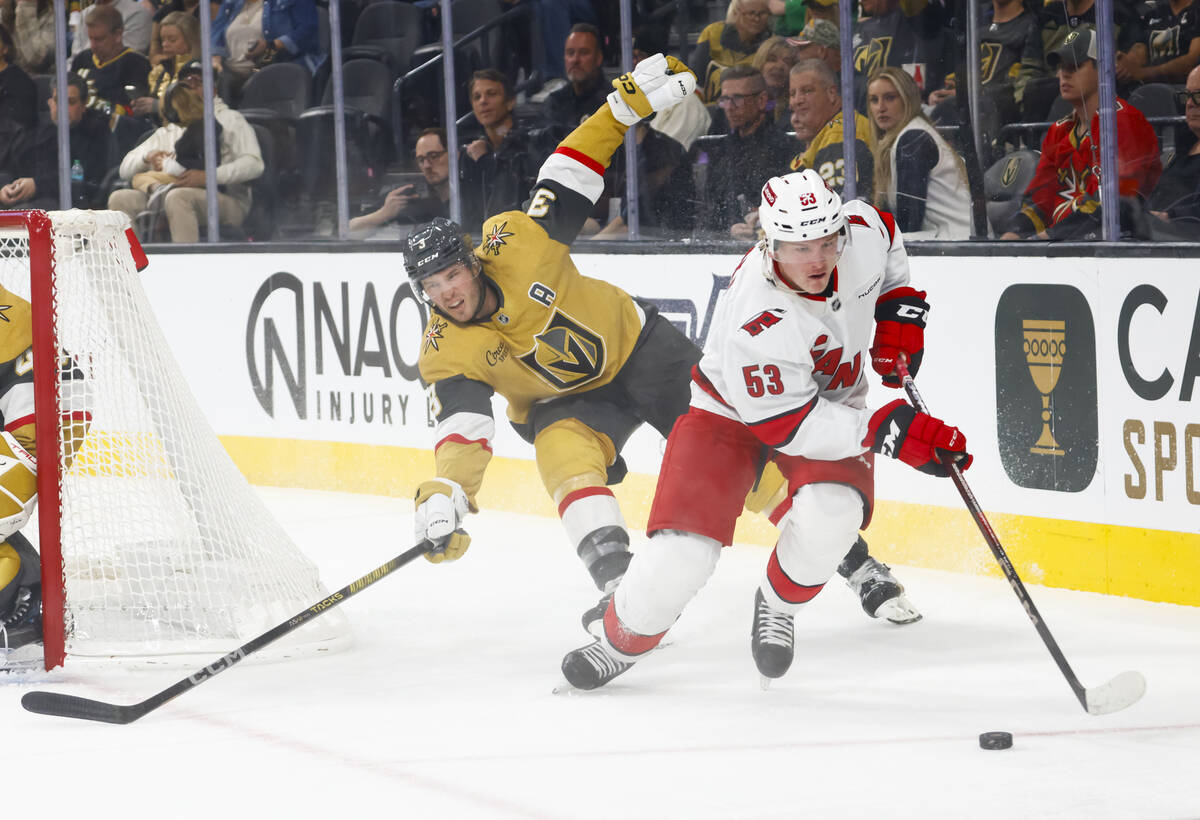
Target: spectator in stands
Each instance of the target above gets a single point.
(162, 9)
(1166, 44)
(1062, 200)
(585, 90)
(819, 40)
(32, 25)
(909, 35)
(180, 37)
(136, 25)
(407, 203)
(684, 122)
(729, 43)
(167, 169)
(793, 15)
(739, 164)
(774, 59)
(249, 34)
(1010, 45)
(666, 188)
(555, 19)
(816, 102)
(1175, 201)
(498, 168)
(90, 142)
(18, 94)
(115, 74)
(919, 178)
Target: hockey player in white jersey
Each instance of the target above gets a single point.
(783, 378)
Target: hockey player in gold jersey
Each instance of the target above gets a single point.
(580, 362)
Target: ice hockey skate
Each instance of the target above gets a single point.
(772, 639)
(593, 618)
(592, 666)
(882, 596)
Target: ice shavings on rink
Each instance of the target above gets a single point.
(443, 706)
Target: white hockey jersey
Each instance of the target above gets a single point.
(791, 366)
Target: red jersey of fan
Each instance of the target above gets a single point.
(1068, 174)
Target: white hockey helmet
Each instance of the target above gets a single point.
(797, 207)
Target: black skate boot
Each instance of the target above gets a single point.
(882, 596)
(771, 639)
(593, 619)
(592, 666)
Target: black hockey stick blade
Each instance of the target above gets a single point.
(1119, 693)
(72, 706)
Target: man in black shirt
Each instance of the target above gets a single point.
(407, 204)
(751, 154)
(585, 90)
(91, 145)
(1166, 44)
(115, 74)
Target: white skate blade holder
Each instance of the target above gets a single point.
(898, 610)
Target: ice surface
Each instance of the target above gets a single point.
(443, 708)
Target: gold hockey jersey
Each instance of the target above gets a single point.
(556, 332)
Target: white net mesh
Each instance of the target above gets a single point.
(166, 549)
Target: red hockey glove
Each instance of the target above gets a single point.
(899, 328)
(899, 431)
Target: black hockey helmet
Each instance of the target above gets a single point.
(434, 247)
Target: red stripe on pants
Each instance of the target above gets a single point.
(624, 639)
(785, 587)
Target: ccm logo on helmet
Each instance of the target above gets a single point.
(429, 258)
(808, 222)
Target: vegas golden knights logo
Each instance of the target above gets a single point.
(1010, 171)
(871, 56)
(566, 354)
(1045, 349)
(1046, 398)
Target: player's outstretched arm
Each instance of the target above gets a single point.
(572, 178)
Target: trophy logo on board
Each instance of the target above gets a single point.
(1045, 349)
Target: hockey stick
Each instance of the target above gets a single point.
(1122, 691)
(54, 703)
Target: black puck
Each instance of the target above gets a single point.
(995, 740)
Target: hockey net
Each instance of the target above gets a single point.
(153, 544)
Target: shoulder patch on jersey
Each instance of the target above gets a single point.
(764, 320)
(433, 333)
(495, 238)
(855, 219)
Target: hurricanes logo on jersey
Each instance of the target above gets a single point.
(566, 354)
(495, 238)
(433, 333)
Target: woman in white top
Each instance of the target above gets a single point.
(918, 176)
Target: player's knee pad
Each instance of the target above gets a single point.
(665, 574)
(571, 456)
(820, 530)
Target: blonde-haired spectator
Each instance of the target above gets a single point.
(732, 42)
(918, 177)
(179, 35)
(774, 59)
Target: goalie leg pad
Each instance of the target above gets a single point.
(814, 540)
(18, 485)
(664, 575)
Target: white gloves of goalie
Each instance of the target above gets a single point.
(441, 507)
(649, 88)
(18, 485)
